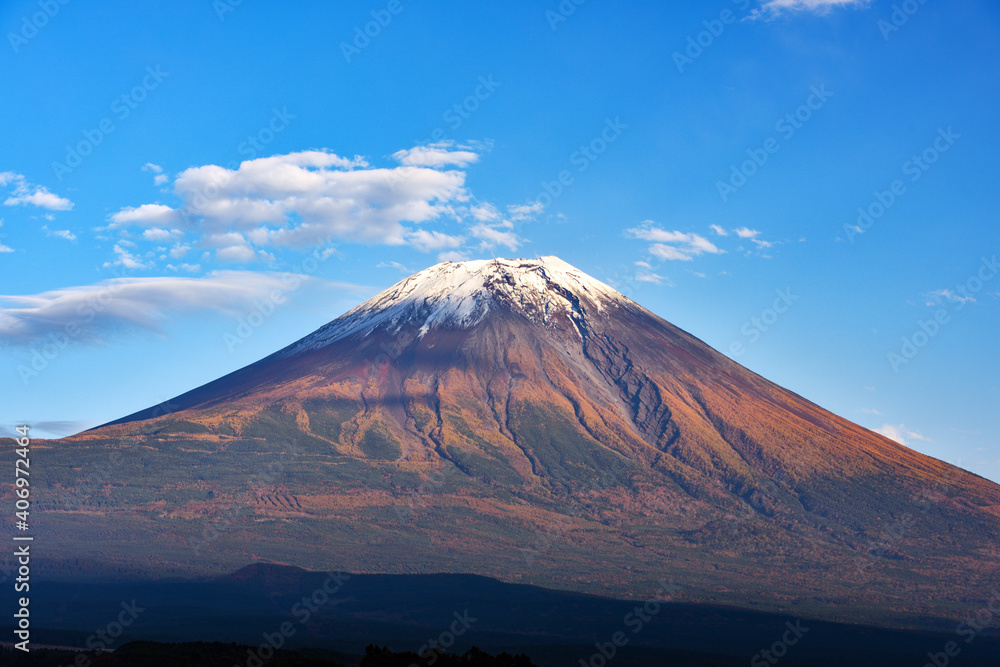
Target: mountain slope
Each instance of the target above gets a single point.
(519, 419)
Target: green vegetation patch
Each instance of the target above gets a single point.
(327, 417)
(559, 445)
(379, 444)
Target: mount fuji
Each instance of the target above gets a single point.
(518, 419)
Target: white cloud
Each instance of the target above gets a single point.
(190, 268)
(485, 212)
(159, 178)
(491, 237)
(525, 211)
(436, 155)
(147, 215)
(5, 248)
(899, 433)
(158, 234)
(674, 246)
(670, 253)
(301, 200)
(718, 230)
(125, 257)
(26, 193)
(142, 303)
(775, 7)
(231, 248)
(392, 265)
(427, 241)
(746, 233)
(939, 296)
(650, 277)
(59, 233)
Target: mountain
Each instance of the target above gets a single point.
(521, 420)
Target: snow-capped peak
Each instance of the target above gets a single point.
(460, 294)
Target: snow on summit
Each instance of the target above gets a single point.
(460, 294)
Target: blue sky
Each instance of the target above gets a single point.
(807, 185)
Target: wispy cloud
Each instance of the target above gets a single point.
(938, 297)
(525, 211)
(158, 234)
(392, 265)
(672, 245)
(52, 429)
(59, 233)
(441, 154)
(159, 178)
(900, 433)
(773, 8)
(491, 237)
(136, 303)
(429, 240)
(655, 278)
(25, 193)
